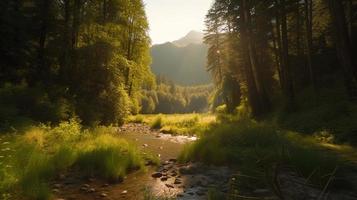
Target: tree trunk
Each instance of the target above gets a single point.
(43, 71)
(253, 94)
(308, 24)
(104, 11)
(75, 26)
(343, 47)
(279, 47)
(286, 69)
(67, 42)
(298, 29)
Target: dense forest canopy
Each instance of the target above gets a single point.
(61, 58)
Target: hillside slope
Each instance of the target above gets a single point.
(183, 64)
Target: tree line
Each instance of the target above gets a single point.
(170, 98)
(61, 58)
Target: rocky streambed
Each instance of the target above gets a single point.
(189, 181)
(169, 180)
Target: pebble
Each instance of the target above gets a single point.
(174, 173)
(261, 191)
(177, 181)
(200, 193)
(169, 186)
(157, 175)
(173, 160)
(103, 194)
(124, 192)
(55, 191)
(145, 145)
(180, 195)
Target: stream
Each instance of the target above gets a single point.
(168, 180)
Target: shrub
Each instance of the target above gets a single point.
(157, 123)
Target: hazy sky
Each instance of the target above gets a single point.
(172, 19)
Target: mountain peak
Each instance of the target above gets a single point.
(193, 37)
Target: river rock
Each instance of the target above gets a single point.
(173, 160)
(200, 193)
(124, 192)
(177, 181)
(174, 173)
(169, 186)
(157, 175)
(91, 190)
(261, 191)
(55, 190)
(103, 194)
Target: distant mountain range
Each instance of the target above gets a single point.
(182, 61)
(193, 37)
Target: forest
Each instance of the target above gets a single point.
(83, 116)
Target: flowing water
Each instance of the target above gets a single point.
(181, 181)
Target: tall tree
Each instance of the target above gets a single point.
(343, 41)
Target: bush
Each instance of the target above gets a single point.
(20, 105)
(157, 123)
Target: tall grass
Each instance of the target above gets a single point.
(257, 147)
(44, 152)
(108, 157)
(176, 124)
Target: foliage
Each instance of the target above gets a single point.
(73, 58)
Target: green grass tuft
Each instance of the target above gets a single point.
(157, 123)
